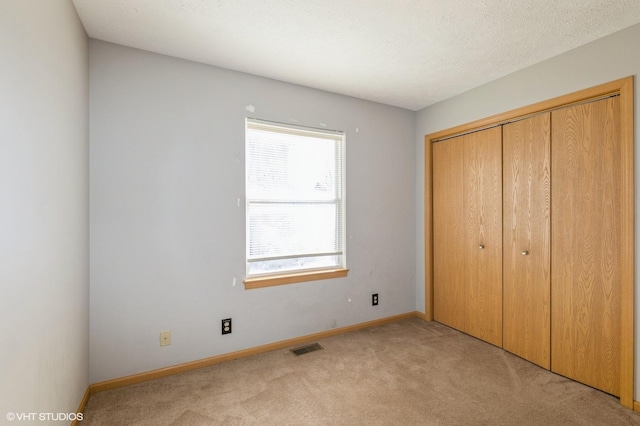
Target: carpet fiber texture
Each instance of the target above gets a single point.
(408, 373)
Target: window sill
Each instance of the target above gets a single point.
(299, 277)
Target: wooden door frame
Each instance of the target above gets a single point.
(623, 88)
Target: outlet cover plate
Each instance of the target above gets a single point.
(374, 299)
(165, 338)
(226, 326)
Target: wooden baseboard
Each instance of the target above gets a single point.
(83, 404)
(180, 368)
(636, 406)
(422, 316)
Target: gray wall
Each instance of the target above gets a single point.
(604, 60)
(168, 236)
(44, 218)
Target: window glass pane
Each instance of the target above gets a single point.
(295, 264)
(292, 229)
(288, 167)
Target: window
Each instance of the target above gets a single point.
(295, 201)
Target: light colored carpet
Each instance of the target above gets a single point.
(408, 373)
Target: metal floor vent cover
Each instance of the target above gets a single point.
(306, 349)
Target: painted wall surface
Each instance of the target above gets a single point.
(604, 60)
(44, 213)
(168, 213)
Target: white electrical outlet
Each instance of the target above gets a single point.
(165, 338)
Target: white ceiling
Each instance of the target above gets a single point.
(407, 53)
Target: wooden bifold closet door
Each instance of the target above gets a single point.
(449, 234)
(586, 244)
(467, 182)
(562, 233)
(526, 242)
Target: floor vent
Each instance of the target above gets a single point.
(306, 349)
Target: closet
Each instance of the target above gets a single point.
(532, 235)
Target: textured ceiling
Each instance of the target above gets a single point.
(407, 53)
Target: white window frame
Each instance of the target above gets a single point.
(262, 279)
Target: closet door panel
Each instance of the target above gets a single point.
(526, 239)
(448, 233)
(483, 222)
(586, 244)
